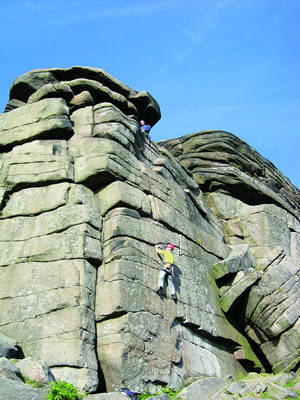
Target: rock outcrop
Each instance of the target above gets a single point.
(14, 375)
(259, 207)
(85, 196)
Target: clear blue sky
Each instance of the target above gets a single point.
(211, 64)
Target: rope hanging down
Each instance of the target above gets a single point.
(151, 187)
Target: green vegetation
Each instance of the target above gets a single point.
(32, 383)
(61, 390)
(290, 385)
(265, 395)
(165, 390)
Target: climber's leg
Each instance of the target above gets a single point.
(171, 285)
(161, 279)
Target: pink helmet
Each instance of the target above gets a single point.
(171, 245)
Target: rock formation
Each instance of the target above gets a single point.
(85, 196)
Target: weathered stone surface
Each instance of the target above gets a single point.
(47, 119)
(262, 227)
(120, 194)
(28, 83)
(203, 389)
(234, 388)
(280, 393)
(34, 370)
(50, 90)
(297, 387)
(284, 354)
(239, 259)
(223, 162)
(41, 161)
(271, 316)
(253, 388)
(8, 351)
(101, 161)
(8, 347)
(111, 123)
(147, 106)
(82, 99)
(232, 296)
(8, 370)
(83, 121)
(100, 93)
(79, 292)
(13, 390)
(280, 379)
(12, 104)
(37, 200)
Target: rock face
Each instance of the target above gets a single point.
(85, 196)
(258, 207)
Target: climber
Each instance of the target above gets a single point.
(166, 269)
(145, 128)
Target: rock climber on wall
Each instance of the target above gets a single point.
(145, 128)
(166, 269)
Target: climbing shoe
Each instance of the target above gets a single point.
(174, 297)
(159, 290)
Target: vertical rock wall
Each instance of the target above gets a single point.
(258, 207)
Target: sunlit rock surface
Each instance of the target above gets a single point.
(81, 191)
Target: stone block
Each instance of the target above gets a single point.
(232, 296)
(83, 121)
(272, 306)
(11, 389)
(101, 161)
(239, 259)
(203, 389)
(46, 119)
(83, 378)
(37, 200)
(107, 112)
(8, 370)
(40, 161)
(51, 236)
(277, 392)
(284, 353)
(35, 370)
(120, 194)
(52, 90)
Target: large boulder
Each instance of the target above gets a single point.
(35, 370)
(9, 347)
(12, 386)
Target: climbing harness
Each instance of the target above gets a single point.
(151, 187)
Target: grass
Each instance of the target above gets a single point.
(264, 395)
(32, 383)
(61, 390)
(166, 390)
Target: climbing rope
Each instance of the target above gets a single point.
(151, 187)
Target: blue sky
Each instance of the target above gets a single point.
(231, 65)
